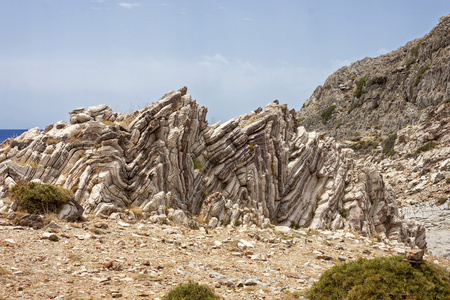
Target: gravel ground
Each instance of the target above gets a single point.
(103, 259)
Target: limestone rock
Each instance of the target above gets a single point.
(415, 255)
(34, 221)
(255, 169)
(379, 96)
(70, 211)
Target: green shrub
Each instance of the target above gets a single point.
(294, 225)
(300, 119)
(38, 198)
(354, 105)
(419, 75)
(191, 291)
(198, 165)
(359, 87)
(339, 125)
(427, 147)
(382, 278)
(388, 145)
(326, 115)
(415, 50)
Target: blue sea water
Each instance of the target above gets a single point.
(10, 133)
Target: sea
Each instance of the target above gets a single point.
(10, 133)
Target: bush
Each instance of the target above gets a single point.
(382, 278)
(326, 115)
(359, 87)
(388, 145)
(427, 147)
(415, 50)
(191, 291)
(36, 198)
(419, 75)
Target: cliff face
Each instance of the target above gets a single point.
(379, 96)
(258, 168)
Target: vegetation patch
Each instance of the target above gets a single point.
(427, 147)
(388, 145)
(360, 84)
(354, 105)
(419, 75)
(294, 225)
(191, 291)
(36, 198)
(198, 165)
(382, 278)
(300, 119)
(338, 125)
(326, 115)
(415, 50)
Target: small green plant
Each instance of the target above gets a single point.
(294, 225)
(343, 213)
(326, 115)
(191, 291)
(419, 75)
(427, 147)
(415, 50)
(198, 165)
(338, 125)
(447, 101)
(388, 145)
(360, 84)
(354, 105)
(300, 119)
(251, 146)
(441, 201)
(38, 198)
(382, 278)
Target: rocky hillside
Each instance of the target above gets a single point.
(379, 96)
(257, 169)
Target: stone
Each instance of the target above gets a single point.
(34, 221)
(415, 255)
(50, 236)
(437, 177)
(123, 224)
(71, 211)
(53, 224)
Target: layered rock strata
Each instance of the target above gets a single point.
(258, 168)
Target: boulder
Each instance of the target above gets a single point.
(34, 221)
(70, 211)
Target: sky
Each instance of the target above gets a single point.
(234, 56)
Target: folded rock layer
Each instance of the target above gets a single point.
(258, 168)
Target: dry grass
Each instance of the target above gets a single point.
(4, 271)
(137, 211)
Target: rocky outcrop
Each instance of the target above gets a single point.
(258, 168)
(379, 96)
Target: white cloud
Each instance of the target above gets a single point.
(128, 5)
(226, 87)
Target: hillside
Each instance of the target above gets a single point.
(379, 96)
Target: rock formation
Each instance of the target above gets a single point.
(379, 96)
(258, 168)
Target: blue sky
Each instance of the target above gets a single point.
(234, 56)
